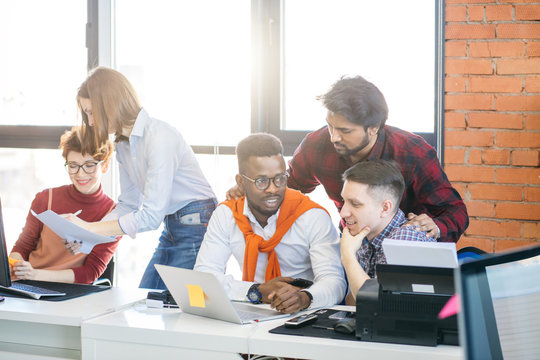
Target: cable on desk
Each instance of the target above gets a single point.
(254, 327)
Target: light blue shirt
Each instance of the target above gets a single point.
(159, 175)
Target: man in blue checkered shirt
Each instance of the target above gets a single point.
(371, 193)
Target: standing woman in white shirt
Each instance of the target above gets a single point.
(160, 178)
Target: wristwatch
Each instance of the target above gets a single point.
(254, 295)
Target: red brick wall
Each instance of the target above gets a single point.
(492, 118)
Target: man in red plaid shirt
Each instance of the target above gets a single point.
(356, 131)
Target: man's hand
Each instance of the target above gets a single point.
(284, 297)
(23, 270)
(351, 244)
(234, 193)
(289, 299)
(423, 222)
(273, 285)
(355, 273)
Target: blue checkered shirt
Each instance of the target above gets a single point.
(371, 252)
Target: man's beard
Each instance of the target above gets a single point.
(344, 151)
(264, 211)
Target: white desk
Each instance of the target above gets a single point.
(141, 333)
(305, 347)
(32, 329)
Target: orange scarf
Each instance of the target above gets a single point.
(294, 204)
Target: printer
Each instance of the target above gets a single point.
(402, 303)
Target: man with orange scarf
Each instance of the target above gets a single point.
(276, 234)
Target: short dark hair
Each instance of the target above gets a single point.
(259, 144)
(381, 176)
(358, 100)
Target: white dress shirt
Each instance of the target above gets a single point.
(159, 175)
(309, 250)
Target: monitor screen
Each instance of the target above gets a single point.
(5, 279)
(500, 305)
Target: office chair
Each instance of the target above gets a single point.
(470, 253)
(107, 277)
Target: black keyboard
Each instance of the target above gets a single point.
(55, 291)
(33, 291)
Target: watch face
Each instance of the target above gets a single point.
(254, 294)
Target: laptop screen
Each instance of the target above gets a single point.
(5, 279)
(500, 305)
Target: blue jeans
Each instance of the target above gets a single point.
(180, 240)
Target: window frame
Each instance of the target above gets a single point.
(267, 37)
(266, 109)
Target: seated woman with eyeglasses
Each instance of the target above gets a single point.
(42, 253)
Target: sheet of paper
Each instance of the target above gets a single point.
(70, 231)
(420, 253)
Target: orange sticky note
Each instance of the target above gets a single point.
(196, 296)
(12, 262)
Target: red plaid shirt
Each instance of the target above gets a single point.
(427, 189)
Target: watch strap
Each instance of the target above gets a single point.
(310, 296)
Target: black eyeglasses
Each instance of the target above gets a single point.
(263, 183)
(88, 167)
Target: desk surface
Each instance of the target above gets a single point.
(37, 329)
(170, 332)
(305, 347)
(166, 328)
(69, 312)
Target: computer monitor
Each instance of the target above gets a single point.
(500, 305)
(5, 279)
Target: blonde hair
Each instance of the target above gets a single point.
(114, 103)
(71, 140)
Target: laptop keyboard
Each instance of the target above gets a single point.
(33, 289)
(248, 315)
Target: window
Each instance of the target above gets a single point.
(309, 44)
(24, 173)
(190, 64)
(43, 61)
(358, 37)
(217, 70)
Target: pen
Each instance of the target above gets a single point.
(322, 327)
(77, 212)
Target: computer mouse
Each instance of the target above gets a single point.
(345, 326)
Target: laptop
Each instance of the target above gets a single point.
(33, 291)
(500, 305)
(201, 293)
